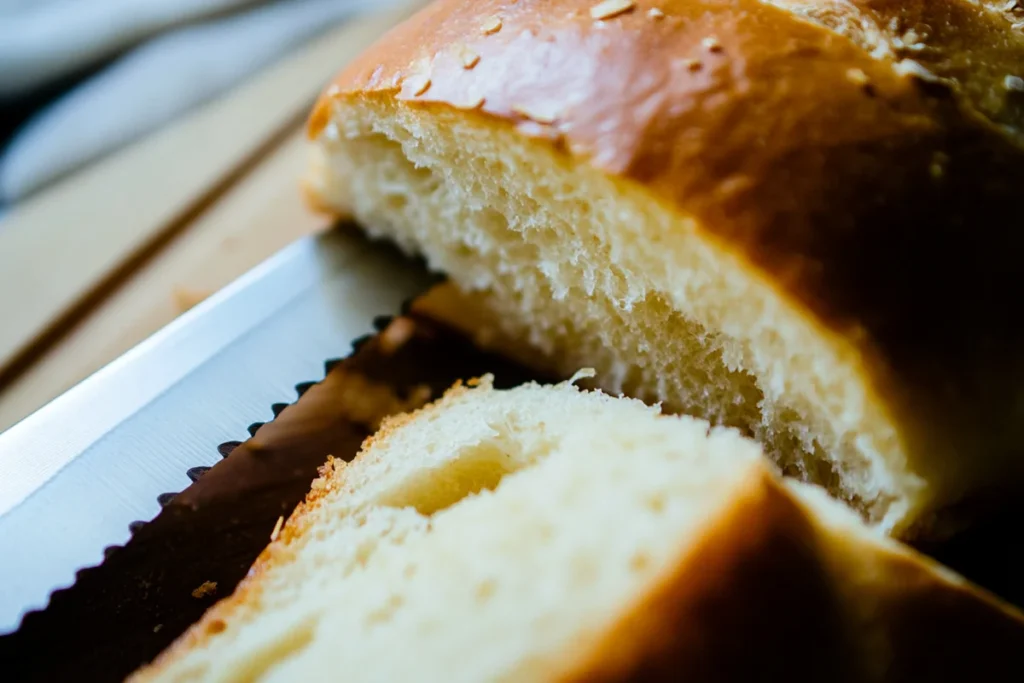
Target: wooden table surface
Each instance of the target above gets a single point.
(97, 263)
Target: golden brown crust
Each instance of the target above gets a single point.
(760, 598)
(882, 203)
(972, 46)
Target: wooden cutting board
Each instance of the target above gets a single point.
(102, 260)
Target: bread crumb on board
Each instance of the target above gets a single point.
(207, 588)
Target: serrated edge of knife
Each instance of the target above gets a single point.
(224, 449)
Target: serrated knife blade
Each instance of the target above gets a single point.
(76, 473)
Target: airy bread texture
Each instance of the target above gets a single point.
(793, 218)
(544, 533)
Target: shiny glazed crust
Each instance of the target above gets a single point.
(863, 157)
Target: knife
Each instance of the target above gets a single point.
(77, 473)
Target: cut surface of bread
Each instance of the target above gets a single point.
(758, 213)
(545, 533)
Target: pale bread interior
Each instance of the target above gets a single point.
(590, 270)
(496, 536)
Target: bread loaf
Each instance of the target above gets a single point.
(799, 218)
(544, 533)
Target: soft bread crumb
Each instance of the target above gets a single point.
(583, 270)
(492, 529)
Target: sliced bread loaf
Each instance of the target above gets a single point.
(547, 533)
(790, 217)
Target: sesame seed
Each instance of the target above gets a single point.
(1014, 83)
(277, 529)
(492, 25)
(333, 91)
(711, 44)
(418, 84)
(1019, 26)
(468, 58)
(693, 64)
(533, 114)
(655, 13)
(472, 102)
(857, 77)
(1010, 6)
(611, 8)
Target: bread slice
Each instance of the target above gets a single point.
(545, 533)
(766, 214)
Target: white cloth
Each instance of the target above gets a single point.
(191, 50)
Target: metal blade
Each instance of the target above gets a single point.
(75, 474)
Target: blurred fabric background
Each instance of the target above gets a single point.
(82, 78)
